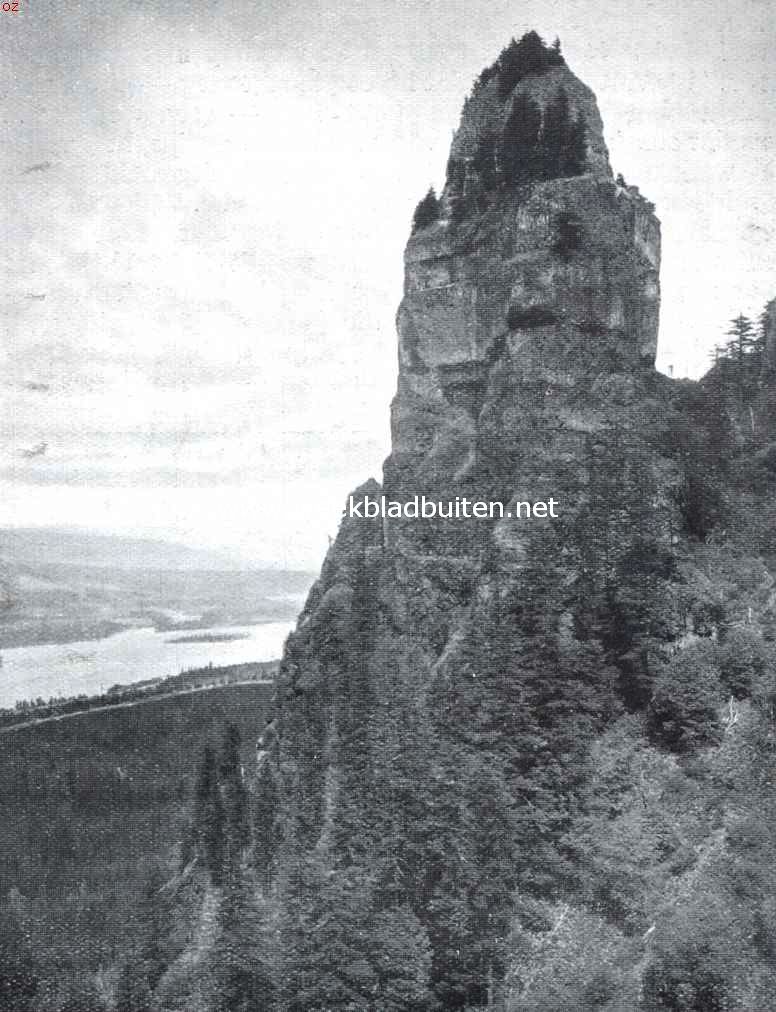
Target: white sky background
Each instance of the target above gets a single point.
(214, 199)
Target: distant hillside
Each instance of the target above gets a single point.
(62, 586)
(74, 547)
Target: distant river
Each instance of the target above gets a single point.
(93, 666)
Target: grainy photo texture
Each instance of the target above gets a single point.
(356, 659)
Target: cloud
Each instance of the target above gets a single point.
(145, 477)
(277, 450)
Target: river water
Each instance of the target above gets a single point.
(93, 666)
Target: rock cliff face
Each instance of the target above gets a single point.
(523, 321)
(526, 326)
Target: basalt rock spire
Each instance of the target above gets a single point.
(531, 298)
(527, 335)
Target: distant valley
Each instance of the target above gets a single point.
(70, 586)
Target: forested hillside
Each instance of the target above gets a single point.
(96, 808)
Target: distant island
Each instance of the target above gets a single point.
(210, 637)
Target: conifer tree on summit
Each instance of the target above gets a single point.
(742, 340)
(526, 58)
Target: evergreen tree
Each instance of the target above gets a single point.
(155, 928)
(427, 211)
(492, 834)
(209, 821)
(304, 733)
(422, 857)
(742, 340)
(701, 438)
(401, 956)
(265, 827)
(523, 59)
(402, 756)
(132, 992)
(532, 54)
(350, 938)
(688, 979)
(241, 978)
(229, 765)
(744, 658)
(508, 70)
(82, 996)
(325, 962)
(625, 559)
(439, 854)
(353, 715)
(683, 710)
(18, 978)
(759, 341)
(235, 799)
(340, 952)
(556, 54)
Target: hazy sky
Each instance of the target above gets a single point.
(204, 211)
